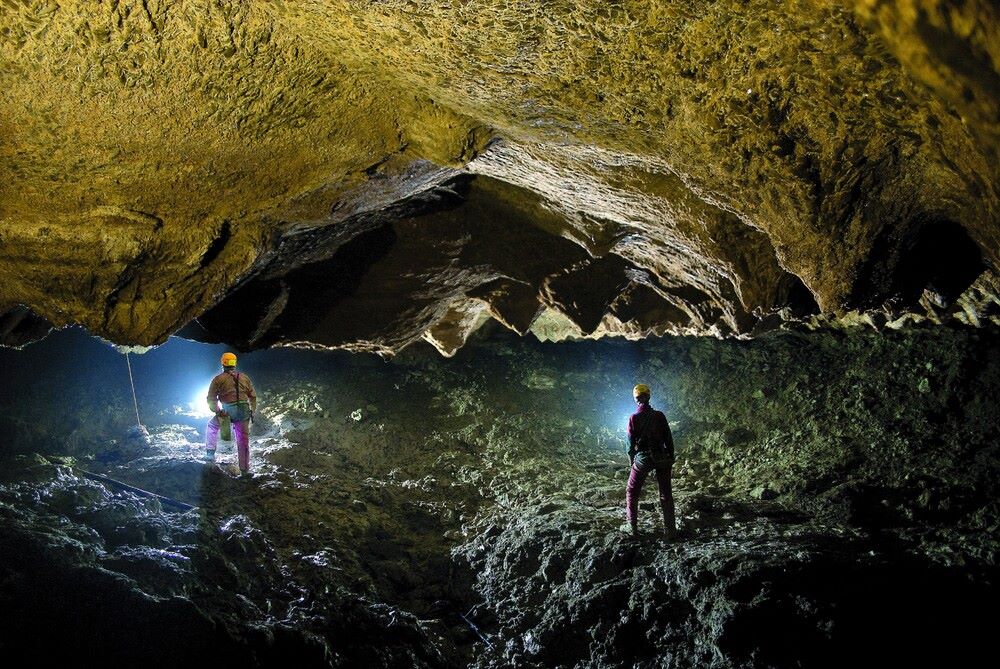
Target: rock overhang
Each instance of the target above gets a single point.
(364, 176)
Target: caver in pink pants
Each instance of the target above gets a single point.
(241, 429)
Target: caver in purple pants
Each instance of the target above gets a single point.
(241, 430)
(640, 470)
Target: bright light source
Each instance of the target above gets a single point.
(625, 411)
(199, 406)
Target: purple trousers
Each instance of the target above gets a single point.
(640, 470)
(241, 430)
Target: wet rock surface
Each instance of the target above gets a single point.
(125, 579)
(841, 518)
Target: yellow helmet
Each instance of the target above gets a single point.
(641, 389)
(228, 359)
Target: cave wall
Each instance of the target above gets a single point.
(719, 162)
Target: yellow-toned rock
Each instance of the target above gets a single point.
(716, 163)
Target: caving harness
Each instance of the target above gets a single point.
(643, 441)
(235, 411)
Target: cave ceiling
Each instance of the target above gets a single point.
(364, 175)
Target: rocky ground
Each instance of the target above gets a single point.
(836, 493)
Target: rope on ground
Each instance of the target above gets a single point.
(183, 506)
(472, 626)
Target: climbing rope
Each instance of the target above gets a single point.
(135, 402)
(166, 501)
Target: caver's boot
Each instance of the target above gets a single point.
(210, 455)
(631, 528)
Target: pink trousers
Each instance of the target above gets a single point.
(241, 430)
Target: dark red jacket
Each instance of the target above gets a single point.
(648, 429)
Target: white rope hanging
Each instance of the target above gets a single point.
(135, 401)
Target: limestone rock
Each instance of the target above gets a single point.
(687, 167)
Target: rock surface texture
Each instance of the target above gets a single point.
(362, 175)
(850, 521)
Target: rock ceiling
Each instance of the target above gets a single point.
(362, 174)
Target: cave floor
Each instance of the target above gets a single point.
(429, 512)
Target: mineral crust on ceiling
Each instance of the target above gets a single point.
(363, 175)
